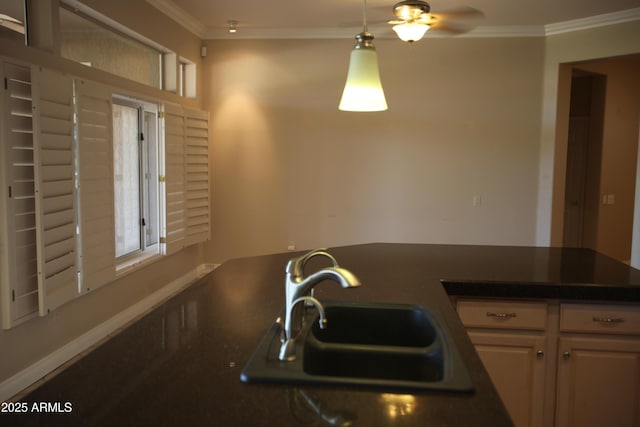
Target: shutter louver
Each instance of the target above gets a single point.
(95, 153)
(197, 176)
(175, 185)
(55, 188)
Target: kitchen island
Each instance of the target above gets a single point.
(181, 363)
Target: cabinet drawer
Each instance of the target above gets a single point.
(503, 314)
(600, 318)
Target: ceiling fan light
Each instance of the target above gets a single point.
(363, 90)
(410, 31)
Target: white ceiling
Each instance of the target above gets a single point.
(339, 18)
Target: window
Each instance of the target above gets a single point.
(179, 75)
(93, 184)
(86, 39)
(135, 163)
(187, 78)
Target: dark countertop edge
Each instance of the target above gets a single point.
(543, 290)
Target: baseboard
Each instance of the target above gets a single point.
(39, 370)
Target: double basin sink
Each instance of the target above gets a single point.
(380, 345)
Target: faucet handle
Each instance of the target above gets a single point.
(295, 266)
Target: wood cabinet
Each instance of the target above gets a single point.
(556, 363)
(516, 364)
(598, 366)
(511, 340)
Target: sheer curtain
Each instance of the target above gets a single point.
(126, 158)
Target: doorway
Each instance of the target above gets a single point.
(584, 157)
(602, 156)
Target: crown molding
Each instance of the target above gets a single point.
(379, 32)
(284, 33)
(506, 31)
(593, 21)
(173, 11)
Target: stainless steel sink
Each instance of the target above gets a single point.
(391, 346)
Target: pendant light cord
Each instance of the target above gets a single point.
(364, 15)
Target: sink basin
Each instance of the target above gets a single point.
(403, 340)
(391, 346)
(379, 324)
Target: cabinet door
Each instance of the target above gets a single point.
(516, 365)
(598, 382)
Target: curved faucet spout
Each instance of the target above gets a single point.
(295, 267)
(322, 321)
(344, 277)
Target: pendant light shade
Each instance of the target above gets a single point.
(410, 31)
(363, 90)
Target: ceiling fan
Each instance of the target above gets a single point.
(414, 18)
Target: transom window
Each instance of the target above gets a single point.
(93, 43)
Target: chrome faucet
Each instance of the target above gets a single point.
(298, 289)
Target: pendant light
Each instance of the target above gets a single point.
(363, 90)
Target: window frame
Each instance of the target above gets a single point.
(187, 84)
(146, 250)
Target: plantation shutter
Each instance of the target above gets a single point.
(54, 188)
(197, 176)
(95, 174)
(175, 179)
(20, 273)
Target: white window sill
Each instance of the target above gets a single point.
(137, 261)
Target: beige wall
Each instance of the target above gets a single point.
(26, 344)
(463, 121)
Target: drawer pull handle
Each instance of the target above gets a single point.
(608, 319)
(540, 353)
(501, 315)
(566, 355)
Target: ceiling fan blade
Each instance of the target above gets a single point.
(427, 19)
(464, 12)
(450, 29)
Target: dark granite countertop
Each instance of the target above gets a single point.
(180, 364)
